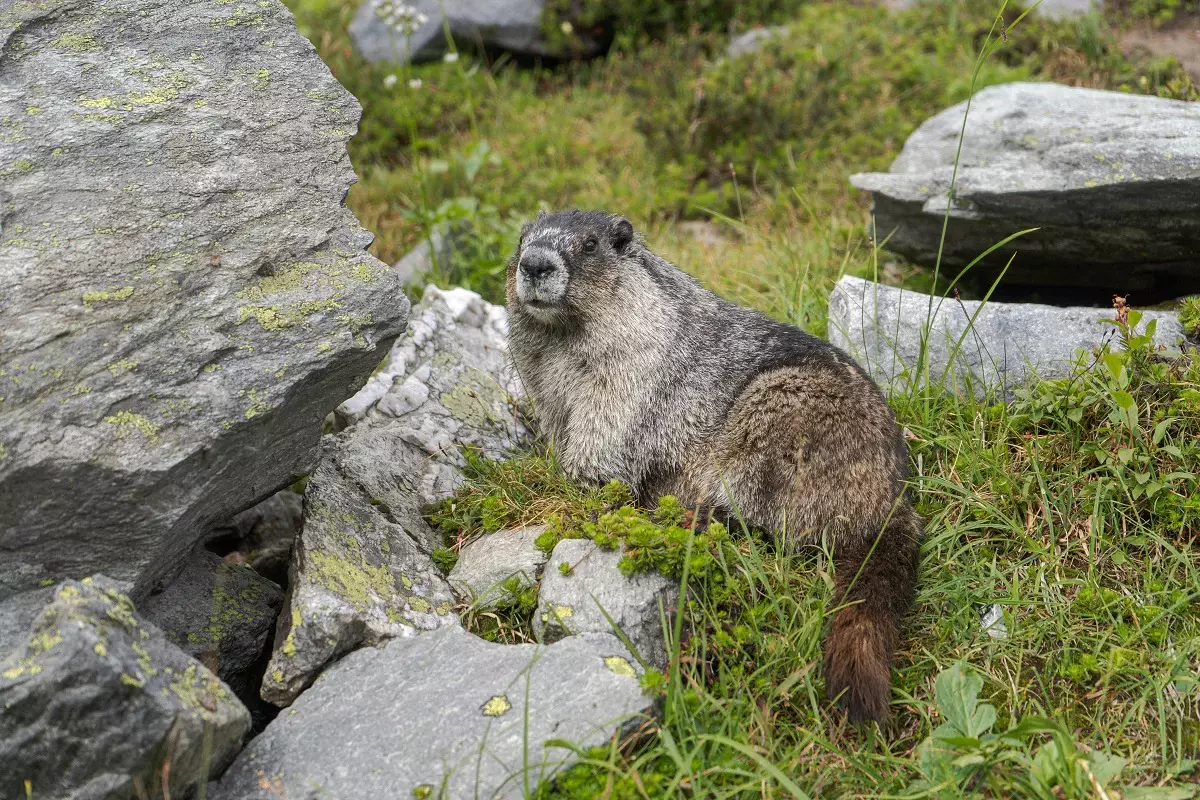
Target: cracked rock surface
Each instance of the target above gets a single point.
(183, 296)
(442, 714)
(362, 571)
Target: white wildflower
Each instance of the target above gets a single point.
(567, 28)
(450, 57)
(390, 81)
(403, 19)
(415, 83)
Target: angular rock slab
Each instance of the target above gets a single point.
(571, 604)
(219, 613)
(444, 710)
(362, 570)
(96, 699)
(1008, 346)
(1112, 180)
(514, 25)
(183, 296)
(484, 564)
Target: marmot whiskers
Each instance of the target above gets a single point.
(639, 373)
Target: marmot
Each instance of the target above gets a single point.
(639, 373)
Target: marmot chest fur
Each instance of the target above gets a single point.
(639, 373)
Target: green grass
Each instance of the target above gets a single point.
(1071, 507)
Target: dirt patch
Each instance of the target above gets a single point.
(1180, 38)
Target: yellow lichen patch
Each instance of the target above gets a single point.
(126, 420)
(109, 296)
(76, 42)
(498, 706)
(420, 605)
(97, 102)
(159, 94)
(32, 110)
(25, 666)
(358, 584)
(124, 364)
(129, 680)
(473, 403)
(274, 318)
(100, 649)
(43, 641)
(620, 666)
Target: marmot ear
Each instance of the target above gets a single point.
(622, 233)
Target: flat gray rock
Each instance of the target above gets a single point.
(1054, 9)
(514, 25)
(362, 571)
(1008, 345)
(444, 710)
(96, 698)
(484, 564)
(183, 296)
(752, 41)
(1111, 179)
(219, 613)
(571, 604)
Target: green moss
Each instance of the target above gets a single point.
(106, 296)
(1189, 315)
(127, 419)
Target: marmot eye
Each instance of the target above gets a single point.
(590, 246)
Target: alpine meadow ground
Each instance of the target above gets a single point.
(1071, 506)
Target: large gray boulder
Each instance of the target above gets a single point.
(362, 570)
(1008, 345)
(96, 701)
(1112, 181)
(183, 296)
(513, 25)
(219, 613)
(443, 714)
(595, 591)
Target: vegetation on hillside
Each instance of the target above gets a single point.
(1073, 507)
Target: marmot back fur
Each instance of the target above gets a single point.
(639, 373)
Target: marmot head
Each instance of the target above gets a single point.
(568, 262)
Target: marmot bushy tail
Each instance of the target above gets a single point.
(639, 373)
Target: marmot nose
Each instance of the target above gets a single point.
(536, 265)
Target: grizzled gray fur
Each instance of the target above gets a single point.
(639, 373)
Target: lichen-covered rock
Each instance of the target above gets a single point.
(362, 570)
(513, 25)
(491, 560)
(572, 603)
(1110, 179)
(219, 613)
(97, 700)
(443, 714)
(1008, 344)
(183, 296)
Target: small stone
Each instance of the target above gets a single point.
(513, 25)
(96, 697)
(571, 604)
(1006, 347)
(492, 559)
(443, 709)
